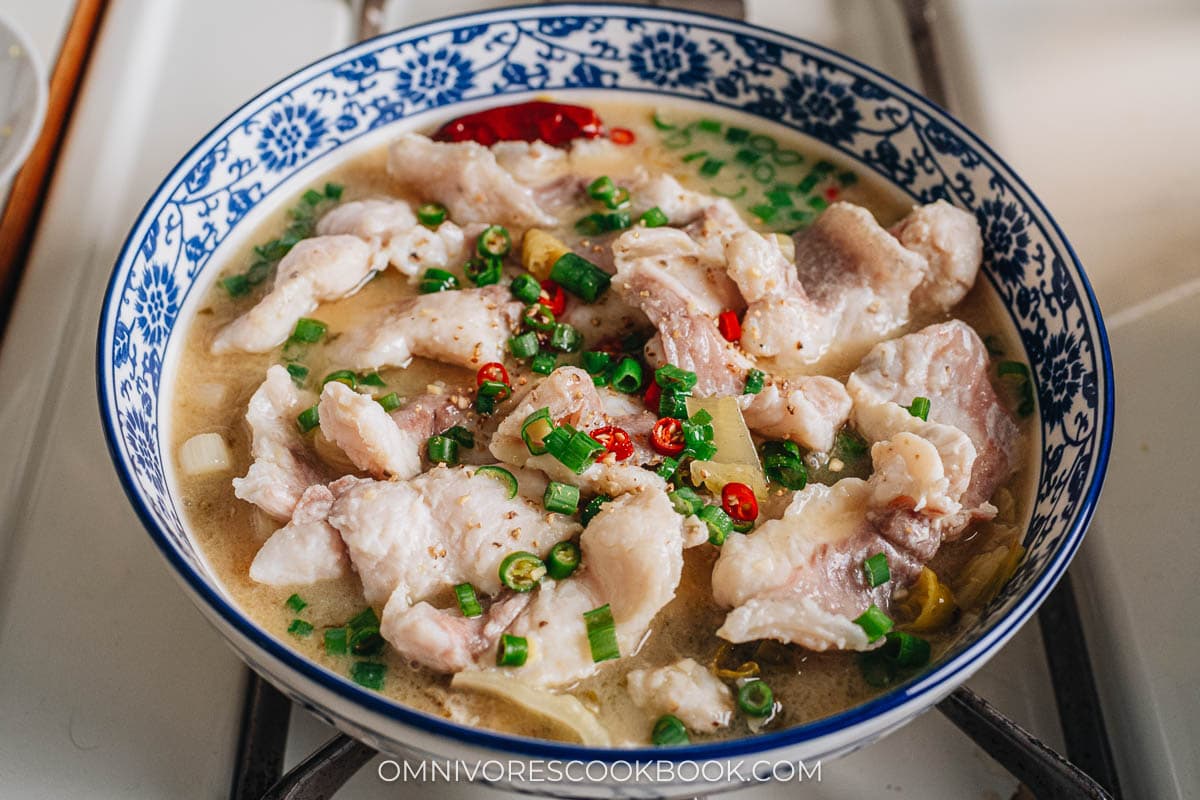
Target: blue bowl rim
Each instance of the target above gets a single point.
(927, 685)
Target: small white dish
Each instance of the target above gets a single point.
(23, 97)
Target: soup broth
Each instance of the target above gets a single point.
(212, 391)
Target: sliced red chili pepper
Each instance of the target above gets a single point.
(553, 297)
(492, 371)
(831, 193)
(553, 123)
(622, 136)
(729, 326)
(615, 441)
(653, 396)
(667, 436)
(739, 502)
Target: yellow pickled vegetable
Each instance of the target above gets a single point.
(748, 669)
(715, 474)
(736, 460)
(539, 251)
(930, 604)
(985, 575)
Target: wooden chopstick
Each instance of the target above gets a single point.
(25, 202)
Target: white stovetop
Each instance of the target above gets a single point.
(112, 686)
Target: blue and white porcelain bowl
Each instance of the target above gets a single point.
(357, 99)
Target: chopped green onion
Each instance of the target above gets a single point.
(299, 373)
(236, 285)
(311, 197)
(711, 167)
(593, 508)
(850, 445)
(296, 603)
(494, 242)
(308, 419)
(543, 363)
(995, 347)
(818, 203)
(333, 191)
(718, 523)
(484, 404)
(534, 430)
(596, 362)
(672, 404)
(876, 569)
(747, 156)
(661, 124)
(669, 730)
(672, 377)
(575, 450)
(1018, 370)
(372, 379)
(756, 699)
(919, 408)
(627, 377)
(602, 633)
(506, 478)
(564, 559)
(468, 602)
(736, 135)
(344, 376)
(483, 271)
(779, 196)
(653, 218)
(702, 417)
(695, 156)
(497, 389)
(685, 500)
(597, 223)
(521, 571)
(764, 212)
(538, 317)
(461, 435)
(308, 330)
(709, 126)
(702, 451)
(754, 381)
(566, 338)
(335, 641)
(437, 280)
(390, 401)
(513, 651)
(368, 674)
(580, 277)
(874, 622)
(876, 670)
(363, 619)
(364, 635)
(905, 650)
(666, 470)
(783, 465)
(300, 628)
(523, 346)
(431, 214)
(526, 288)
(561, 498)
(442, 450)
(602, 188)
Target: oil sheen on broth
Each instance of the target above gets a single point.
(212, 391)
